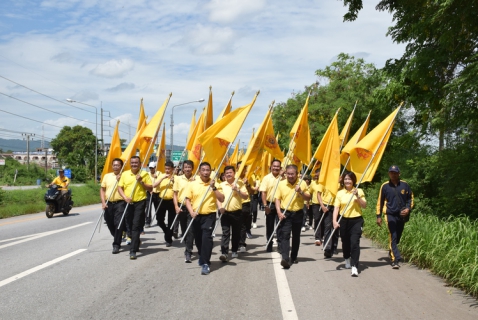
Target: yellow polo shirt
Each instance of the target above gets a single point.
(285, 192)
(61, 182)
(268, 185)
(353, 210)
(236, 201)
(165, 188)
(327, 197)
(111, 187)
(313, 189)
(127, 182)
(195, 193)
(180, 186)
(153, 179)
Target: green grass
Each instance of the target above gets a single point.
(448, 247)
(19, 202)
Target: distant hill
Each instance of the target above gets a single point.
(20, 145)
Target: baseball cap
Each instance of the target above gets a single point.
(394, 169)
(152, 165)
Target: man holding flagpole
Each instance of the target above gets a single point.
(289, 201)
(164, 186)
(201, 197)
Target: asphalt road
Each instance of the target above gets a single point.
(49, 273)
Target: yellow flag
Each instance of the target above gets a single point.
(132, 147)
(153, 126)
(208, 120)
(194, 146)
(161, 152)
(114, 152)
(372, 144)
(240, 155)
(361, 132)
(234, 155)
(346, 129)
(215, 140)
(255, 147)
(270, 141)
(142, 116)
(300, 134)
(330, 172)
(226, 109)
(320, 151)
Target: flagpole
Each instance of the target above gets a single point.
(144, 160)
(205, 194)
(363, 174)
(348, 129)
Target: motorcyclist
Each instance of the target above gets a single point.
(63, 181)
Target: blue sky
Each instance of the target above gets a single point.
(111, 54)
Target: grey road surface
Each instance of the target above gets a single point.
(48, 272)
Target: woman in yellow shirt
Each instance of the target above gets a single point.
(349, 203)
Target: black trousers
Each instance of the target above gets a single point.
(231, 222)
(395, 229)
(307, 214)
(166, 206)
(136, 213)
(270, 224)
(184, 220)
(318, 214)
(291, 224)
(254, 204)
(350, 233)
(246, 223)
(113, 214)
(203, 225)
(328, 227)
(152, 199)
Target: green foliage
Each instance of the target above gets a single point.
(75, 148)
(448, 247)
(26, 175)
(19, 202)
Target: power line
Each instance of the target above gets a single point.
(30, 119)
(34, 105)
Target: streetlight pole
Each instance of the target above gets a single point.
(96, 134)
(172, 123)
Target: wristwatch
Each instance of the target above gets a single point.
(214, 188)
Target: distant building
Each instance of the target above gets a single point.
(39, 157)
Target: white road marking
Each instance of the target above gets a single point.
(38, 235)
(42, 266)
(285, 297)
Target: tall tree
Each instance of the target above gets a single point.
(75, 147)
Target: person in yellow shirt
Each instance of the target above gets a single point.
(113, 203)
(153, 198)
(231, 210)
(201, 197)
(352, 220)
(132, 187)
(180, 186)
(164, 185)
(63, 181)
(267, 189)
(289, 200)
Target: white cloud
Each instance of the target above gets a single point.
(204, 40)
(228, 11)
(113, 68)
(122, 87)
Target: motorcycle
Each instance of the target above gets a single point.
(56, 202)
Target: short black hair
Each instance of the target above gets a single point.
(169, 163)
(189, 162)
(229, 168)
(117, 160)
(205, 164)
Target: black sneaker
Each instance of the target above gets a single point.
(115, 249)
(327, 254)
(285, 264)
(175, 235)
(187, 258)
(395, 265)
(168, 244)
(132, 255)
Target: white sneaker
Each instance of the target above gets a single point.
(254, 226)
(234, 255)
(347, 264)
(242, 249)
(354, 272)
(303, 229)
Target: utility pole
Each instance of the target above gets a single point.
(27, 137)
